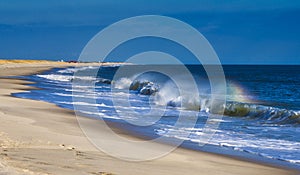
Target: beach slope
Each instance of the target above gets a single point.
(40, 138)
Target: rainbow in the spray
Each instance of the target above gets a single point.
(237, 93)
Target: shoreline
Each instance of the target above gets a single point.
(24, 132)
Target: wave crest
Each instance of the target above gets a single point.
(264, 113)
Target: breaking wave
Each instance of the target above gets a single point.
(267, 114)
(167, 94)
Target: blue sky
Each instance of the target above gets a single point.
(242, 32)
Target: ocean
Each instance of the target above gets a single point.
(261, 115)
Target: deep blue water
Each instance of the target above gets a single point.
(262, 113)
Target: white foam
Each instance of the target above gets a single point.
(123, 83)
(56, 77)
(249, 143)
(84, 104)
(66, 78)
(76, 69)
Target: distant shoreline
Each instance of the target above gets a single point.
(42, 61)
(21, 61)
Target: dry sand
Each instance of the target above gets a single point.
(40, 138)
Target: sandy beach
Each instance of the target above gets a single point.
(40, 138)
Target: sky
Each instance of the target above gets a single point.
(241, 32)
